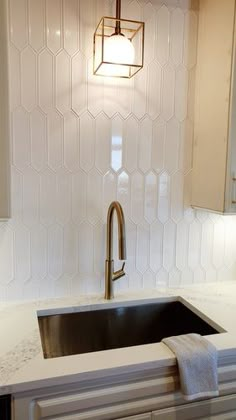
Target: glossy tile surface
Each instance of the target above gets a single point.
(79, 141)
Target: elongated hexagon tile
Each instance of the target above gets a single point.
(177, 196)
(87, 26)
(38, 251)
(140, 94)
(109, 191)
(38, 140)
(123, 191)
(14, 77)
(86, 236)
(47, 206)
(71, 141)
(207, 245)
(79, 83)
(63, 286)
(47, 287)
(131, 144)
(70, 249)
(218, 244)
(55, 140)
(169, 245)
(95, 90)
(154, 90)
(172, 145)
(177, 35)
(16, 194)
(174, 278)
(18, 23)
(21, 138)
(230, 241)
(71, 27)
(150, 27)
(110, 96)
(137, 197)
(187, 277)
(87, 142)
(99, 241)
(45, 76)
(156, 246)
(199, 275)
(190, 39)
(54, 29)
(22, 249)
(163, 36)
(102, 149)
(94, 196)
(55, 251)
(79, 194)
(64, 190)
(63, 82)
(117, 137)
(194, 245)
(162, 278)
(131, 241)
(168, 92)
(135, 281)
(6, 255)
(182, 245)
(28, 79)
(158, 144)
(163, 210)
(149, 280)
(145, 145)
(151, 197)
(124, 95)
(211, 276)
(31, 185)
(181, 93)
(143, 244)
(37, 24)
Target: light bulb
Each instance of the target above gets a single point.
(118, 50)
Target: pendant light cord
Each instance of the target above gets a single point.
(118, 13)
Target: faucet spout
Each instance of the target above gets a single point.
(110, 275)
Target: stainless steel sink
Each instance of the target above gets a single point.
(103, 329)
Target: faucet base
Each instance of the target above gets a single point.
(109, 269)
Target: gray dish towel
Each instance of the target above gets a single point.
(197, 364)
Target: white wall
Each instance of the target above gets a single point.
(79, 141)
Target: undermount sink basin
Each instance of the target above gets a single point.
(104, 329)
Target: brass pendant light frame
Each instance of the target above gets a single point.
(109, 26)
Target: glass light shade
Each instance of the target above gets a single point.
(118, 49)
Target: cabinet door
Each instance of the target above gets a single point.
(212, 107)
(223, 408)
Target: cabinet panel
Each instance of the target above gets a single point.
(213, 104)
(218, 408)
(4, 118)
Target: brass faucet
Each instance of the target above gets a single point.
(110, 274)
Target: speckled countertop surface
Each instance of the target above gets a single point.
(23, 367)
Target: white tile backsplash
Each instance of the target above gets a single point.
(80, 141)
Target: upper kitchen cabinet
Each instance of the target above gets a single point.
(214, 159)
(4, 118)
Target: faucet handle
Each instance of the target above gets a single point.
(120, 273)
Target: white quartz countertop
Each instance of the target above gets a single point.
(23, 367)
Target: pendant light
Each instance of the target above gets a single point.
(118, 46)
